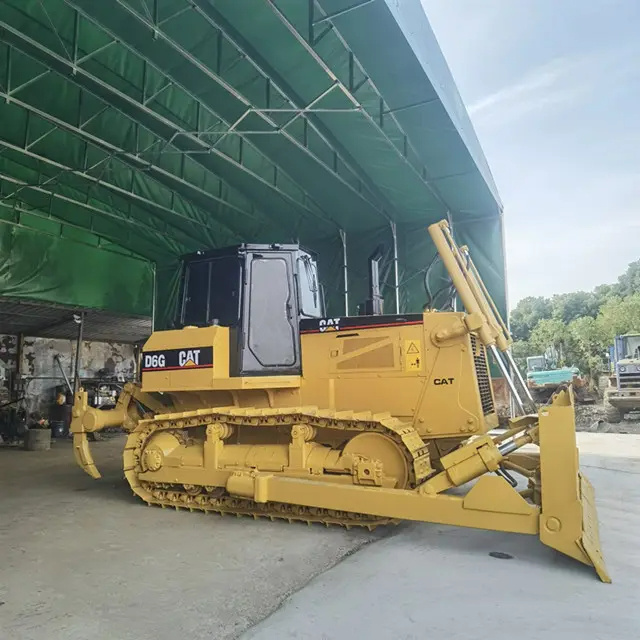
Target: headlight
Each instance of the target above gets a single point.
(622, 368)
(638, 367)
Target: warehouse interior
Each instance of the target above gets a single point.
(41, 348)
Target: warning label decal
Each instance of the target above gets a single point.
(412, 355)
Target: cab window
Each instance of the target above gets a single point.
(310, 299)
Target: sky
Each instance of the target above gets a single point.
(553, 91)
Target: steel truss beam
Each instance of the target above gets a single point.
(226, 91)
(90, 210)
(152, 208)
(128, 245)
(193, 194)
(309, 47)
(279, 128)
(342, 12)
(129, 195)
(377, 200)
(73, 55)
(216, 162)
(211, 158)
(273, 79)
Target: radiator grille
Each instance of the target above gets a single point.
(630, 381)
(482, 375)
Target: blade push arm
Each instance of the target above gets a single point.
(483, 316)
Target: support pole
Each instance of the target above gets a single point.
(521, 381)
(153, 298)
(63, 372)
(507, 375)
(16, 384)
(343, 237)
(455, 297)
(396, 277)
(76, 373)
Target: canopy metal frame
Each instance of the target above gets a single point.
(185, 141)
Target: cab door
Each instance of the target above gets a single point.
(269, 343)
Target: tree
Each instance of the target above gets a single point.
(521, 350)
(603, 292)
(569, 306)
(590, 345)
(577, 328)
(526, 315)
(588, 333)
(619, 315)
(550, 334)
(629, 281)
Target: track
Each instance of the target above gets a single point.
(215, 499)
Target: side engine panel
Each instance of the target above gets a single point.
(395, 364)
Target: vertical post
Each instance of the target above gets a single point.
(455, 297)
(343, 237)
(512, 404)
(396, 277)
(519, 377)
(507, 375)
(312, 36)
(154, 294)
(137, 357)
(76, 39)
(76, 373)
(16, 384)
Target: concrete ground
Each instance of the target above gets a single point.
(84, 559)
(433, 581)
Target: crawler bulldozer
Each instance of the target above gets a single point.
(258, 404)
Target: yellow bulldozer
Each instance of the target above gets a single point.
(258, 404)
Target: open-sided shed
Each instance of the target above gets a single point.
(133, 131)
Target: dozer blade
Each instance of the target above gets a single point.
(590, 533)
(83, 456)
(568, 519)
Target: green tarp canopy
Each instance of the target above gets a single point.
(134, 131)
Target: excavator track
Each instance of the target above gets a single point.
(215, 500)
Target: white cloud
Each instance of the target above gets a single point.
(557, 84)
(540, 80)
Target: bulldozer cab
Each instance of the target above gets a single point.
(261, 292)
(628, 347)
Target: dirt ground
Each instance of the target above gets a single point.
(590, 417)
